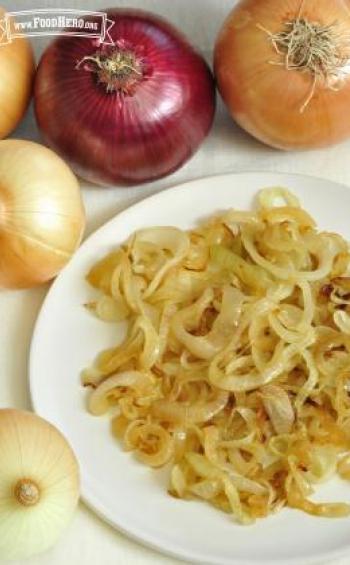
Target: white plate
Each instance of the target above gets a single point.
(126, 494)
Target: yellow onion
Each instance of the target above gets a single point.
(17, 72)
(41, 214)
(39, 484)
(282, 68)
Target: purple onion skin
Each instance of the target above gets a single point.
(126, 139)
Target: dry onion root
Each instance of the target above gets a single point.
(283, 70)
(235, 367)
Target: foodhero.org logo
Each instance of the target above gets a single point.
(33, 23)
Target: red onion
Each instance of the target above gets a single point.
(127, 113)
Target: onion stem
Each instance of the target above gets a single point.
(27, 492)
(118, 69)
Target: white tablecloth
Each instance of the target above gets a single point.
(88, 540)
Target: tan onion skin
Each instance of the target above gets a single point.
(266, 99)
(42, 217)
(17, 69)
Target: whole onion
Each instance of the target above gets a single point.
(125, 113)
(39, 485)
(17, 70)
(282, 68)
(42, 217)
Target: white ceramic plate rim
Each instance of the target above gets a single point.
(175, 551)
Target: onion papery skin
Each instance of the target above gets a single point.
(266, 99)
(42, 216)
(126, 139)
(17, 70)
